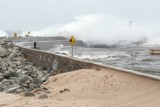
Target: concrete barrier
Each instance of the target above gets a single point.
(60, 63)
(54, 62)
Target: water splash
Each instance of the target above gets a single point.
(105, 29)
(3, 33)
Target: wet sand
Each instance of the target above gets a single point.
(92, 88)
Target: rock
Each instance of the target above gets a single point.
(10, 69)
(43, 96)
(37, 81)
(28, 94)
(4, 64)
(13, 89)
(18, 63)
(43, 79)
(20, 67)
(45, 88)
(26, 85)
(4, 69)
(9, 50)
(33, 86)
(22, 59)
(65, 90)
(45, 72)
(12, 55)
(3, 55)
(19, 71)
(3, 51)
(24, 79)
(6, 82)
(1, 88)
(25, 72)
(11, 74)
(19, 54)
(9, 62)
(40, 75)
(14, 79)
(40, 91)
(19, 90)
(55, 80)
(16, 48)
(1, 76)
(24, 89)
(33, 74)
(3, 43)
(26, 68)
(13, 66)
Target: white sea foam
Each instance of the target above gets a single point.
(114, 55)
(3, 33)
(90, 53)
(60, 50)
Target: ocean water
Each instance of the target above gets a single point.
(133, 40)
(131, 57)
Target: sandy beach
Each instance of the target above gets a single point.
(92, 88)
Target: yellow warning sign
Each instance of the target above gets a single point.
(72, 40)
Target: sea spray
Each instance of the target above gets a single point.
(105, 29)
(3, 33)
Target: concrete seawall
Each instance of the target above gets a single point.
(60, 63)
(54, 62)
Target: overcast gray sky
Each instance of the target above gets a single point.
(38, 14)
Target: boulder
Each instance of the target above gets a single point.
(44, 78)
(6, 82)
(28, 94)
(12, 55)
(25, 79)
(24, 72)
(1, 76)
(10, 74)
(1, 88)
(12, 89)
(43, 96)
(19, 90)
(2, 51)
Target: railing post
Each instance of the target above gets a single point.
(35, 45)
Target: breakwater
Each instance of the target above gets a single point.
(45, 43)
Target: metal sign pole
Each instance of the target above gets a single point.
(72, 50)
(72, 42)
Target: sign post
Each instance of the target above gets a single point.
(72, 50)
(72, 42)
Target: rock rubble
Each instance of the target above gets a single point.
(17, 74)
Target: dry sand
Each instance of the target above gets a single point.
(92, 88)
